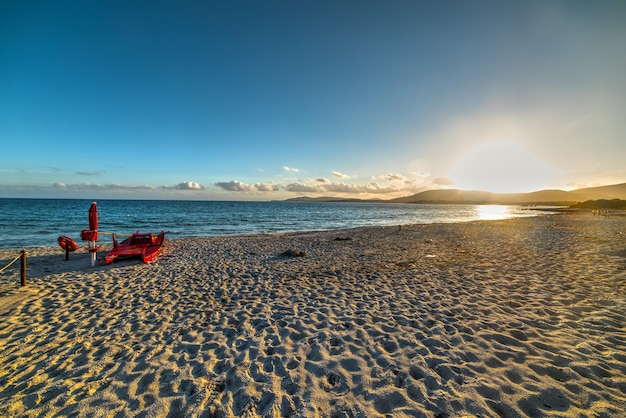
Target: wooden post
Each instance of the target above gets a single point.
(23, 269)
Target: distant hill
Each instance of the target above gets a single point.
(544, 197)
(449, 196)
(615, 191)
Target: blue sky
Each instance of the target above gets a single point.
(262, 100)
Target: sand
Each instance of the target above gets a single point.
(521, 317)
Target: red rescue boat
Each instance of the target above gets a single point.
(144, 246)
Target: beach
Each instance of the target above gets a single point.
(517, 317)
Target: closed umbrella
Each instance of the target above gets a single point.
(93, 222)
(93, 232)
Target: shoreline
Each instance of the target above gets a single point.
(220, 219)
(523, 316)
(107, 242)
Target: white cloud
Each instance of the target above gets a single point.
(303, 188)
(267, 187)
(376, 188)
(237, 186)
(340, 175)
(323, 186)
(90, 173)
(338, 187)
(392, 177)
(234, 186)
(443, 181)
(185, 185)
(291, 169)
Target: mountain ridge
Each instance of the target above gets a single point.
(452, 196)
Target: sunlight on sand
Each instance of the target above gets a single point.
(451, 320)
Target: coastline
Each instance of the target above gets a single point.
(36, 223)
(522, 316)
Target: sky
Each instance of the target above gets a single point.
(268, 100)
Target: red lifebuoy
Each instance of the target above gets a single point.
(67, 241)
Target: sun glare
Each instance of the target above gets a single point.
(492, 212)
(501, 167)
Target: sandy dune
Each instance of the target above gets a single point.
(521, 317)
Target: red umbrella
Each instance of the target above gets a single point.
(93, 221)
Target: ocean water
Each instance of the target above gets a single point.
(26, 223)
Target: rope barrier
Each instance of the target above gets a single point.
(8, 265)
(22, 256)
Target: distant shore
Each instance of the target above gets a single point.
(474, 197)
(519, 317)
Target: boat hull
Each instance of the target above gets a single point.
(143, 246)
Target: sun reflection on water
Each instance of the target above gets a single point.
(493, 212)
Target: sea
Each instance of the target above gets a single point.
(27, 223)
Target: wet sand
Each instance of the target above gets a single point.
(522, 317)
